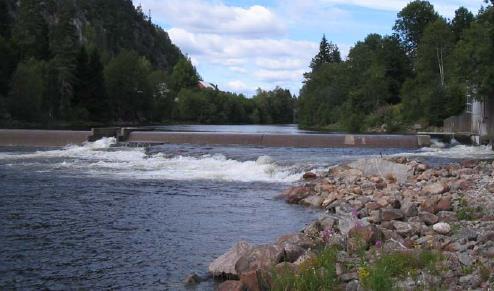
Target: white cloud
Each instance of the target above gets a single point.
(444, 7)
(237, 86)
(239, 70)
(235, 45)
(277, 76)
(215, 17)
(263, 61)
(234, 49)
(281, 63)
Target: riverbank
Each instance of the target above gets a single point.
(384, 221)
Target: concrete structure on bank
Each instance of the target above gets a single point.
(477, 122)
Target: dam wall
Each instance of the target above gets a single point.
(282, 140)
(42, 138)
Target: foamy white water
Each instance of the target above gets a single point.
(454, 152)
(98, 158)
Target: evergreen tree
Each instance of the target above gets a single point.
(462, 20)
(474, 56)
(64, 45)
(82, 75)
(328, 53)
(8, 64)
(31, 30)
(5, 20)
(27, 87)
(98, 104)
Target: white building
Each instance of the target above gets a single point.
(477, 121)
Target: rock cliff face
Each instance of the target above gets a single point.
(110, 25)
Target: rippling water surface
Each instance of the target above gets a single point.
(104, 216)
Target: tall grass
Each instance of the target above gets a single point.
(318, 274)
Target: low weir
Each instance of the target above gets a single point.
(48, 138)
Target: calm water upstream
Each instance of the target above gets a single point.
(103, 216)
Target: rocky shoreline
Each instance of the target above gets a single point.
(381, 206)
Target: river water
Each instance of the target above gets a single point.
(101, 216)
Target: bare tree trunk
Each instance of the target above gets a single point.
(440, 62)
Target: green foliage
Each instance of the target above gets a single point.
(274, 106)
(474, 56)
(31, 30)
(5, 19)
(328, 53)
(127, 87)
(318, 273)
(8, 63)
(462, 21)
(216, 107)
(345, 93)
(184, 75)
(90, 98)
(389, 267)
(412, 21)
(466, 212)
(26, 93)
(421, 74)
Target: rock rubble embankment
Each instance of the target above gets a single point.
(390, 205)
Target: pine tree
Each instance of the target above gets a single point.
(462, 20)
(31, 31)
(65, 46)
(328, 53)
(5, 20)
(98, 106)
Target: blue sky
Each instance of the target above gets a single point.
(242, 45)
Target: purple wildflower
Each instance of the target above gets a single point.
(327, 234)
(379, 244)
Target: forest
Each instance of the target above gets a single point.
(98, 62)
(103, 62)
(419, 75)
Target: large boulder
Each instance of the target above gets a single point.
(389, 214)
(295, 194)
(382, 168)
(298, 239)
(363, 237)
(231, 286)
(224, 265)
(260, 257)
(312, 201)
(436, 188)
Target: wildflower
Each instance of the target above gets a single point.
(363, 273)
(379, 244)
(354, 213)
(327, 234)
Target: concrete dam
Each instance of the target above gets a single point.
(48, 138)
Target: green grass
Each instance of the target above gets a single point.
(317, 274)
(465, 212)
(389, 267)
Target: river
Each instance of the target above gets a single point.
(104, 216)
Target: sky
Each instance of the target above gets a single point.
(242, 45)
